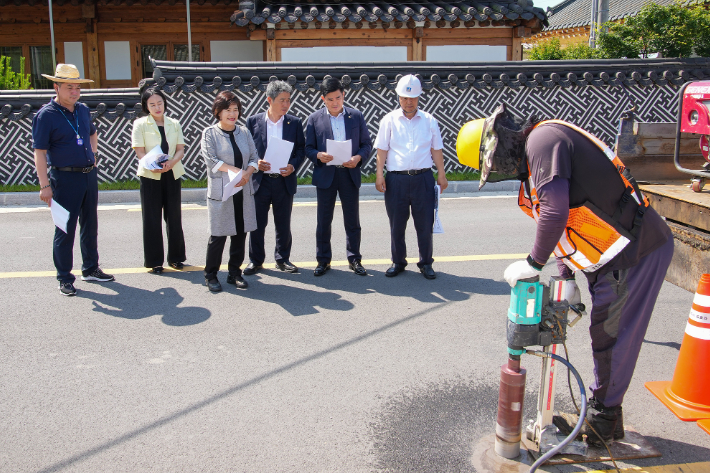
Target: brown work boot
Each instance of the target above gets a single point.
(606, 421)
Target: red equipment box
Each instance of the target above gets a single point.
(696, 108)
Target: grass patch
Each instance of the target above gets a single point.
(127, 185)
(194, 184)
(133, 184)
(19, 188)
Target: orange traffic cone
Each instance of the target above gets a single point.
(688, 395)
(705, 425)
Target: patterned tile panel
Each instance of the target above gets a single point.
(596, 109)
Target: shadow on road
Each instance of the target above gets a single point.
(674, 345)
(150, 426)
(298, 301)
(133, 303)
(446, 287)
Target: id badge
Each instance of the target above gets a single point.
(80, 142)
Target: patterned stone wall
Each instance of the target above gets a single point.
(596, 109)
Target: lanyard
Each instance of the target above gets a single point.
(79, 141)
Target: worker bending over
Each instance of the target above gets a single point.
(592, 216)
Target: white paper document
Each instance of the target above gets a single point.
(277, 153)
(230, 189)
(60, 215)
(154, 159)
(437, 223)
(341, 151)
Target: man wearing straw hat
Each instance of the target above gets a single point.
(65, 144)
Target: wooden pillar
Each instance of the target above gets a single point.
(517, 53)
(92, 49)
(271, 44)
(519, 32)
(417, 46)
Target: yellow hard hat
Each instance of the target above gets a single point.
(468, 143)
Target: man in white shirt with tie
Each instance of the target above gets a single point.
(409, 143)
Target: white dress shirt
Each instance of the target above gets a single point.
(408, 142)
(274, 129)
(337, 124)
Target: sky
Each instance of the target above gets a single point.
(546, 3)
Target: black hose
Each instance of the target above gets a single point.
(582, 413)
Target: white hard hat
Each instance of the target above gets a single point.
(409, 86)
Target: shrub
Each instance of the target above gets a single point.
(10, 80)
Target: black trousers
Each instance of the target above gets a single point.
(403, 193)
(162, 199)
(79, 194)
(215, 245)
(272, 193)
(344, 187)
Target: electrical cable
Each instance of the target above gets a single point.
(574, 401)
(580, 421)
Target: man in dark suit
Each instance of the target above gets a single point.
(339, 123)
(275, 187)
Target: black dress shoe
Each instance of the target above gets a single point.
(393, 271)
(252, 269)
(321, 269)
(287, 266)
(213, 285)
(428, 271)
(177, 266)
(156, 270)
(357, 268)
(238, 281)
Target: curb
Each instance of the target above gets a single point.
(304, 192)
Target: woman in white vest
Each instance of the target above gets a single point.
(160, 183)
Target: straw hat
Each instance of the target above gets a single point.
(67, 73)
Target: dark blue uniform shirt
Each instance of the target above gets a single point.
(54, 129)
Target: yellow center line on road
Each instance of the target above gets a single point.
(303, 264)
(295, 204)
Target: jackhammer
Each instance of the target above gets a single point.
(537, 316)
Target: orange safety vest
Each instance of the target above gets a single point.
(591, 238)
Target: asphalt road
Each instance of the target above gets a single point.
(296, 373)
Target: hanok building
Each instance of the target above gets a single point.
(111, 41)
(570, 20)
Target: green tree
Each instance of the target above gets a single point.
(552, 50)
(671, 31)
(701, 18)
(619, 40)
(581, 51)
(547, 51)
(10, 80)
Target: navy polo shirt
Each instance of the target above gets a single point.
(54, 129)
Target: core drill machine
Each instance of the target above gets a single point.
(537, 316)
(694, 117)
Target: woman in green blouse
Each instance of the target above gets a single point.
(160, 188)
